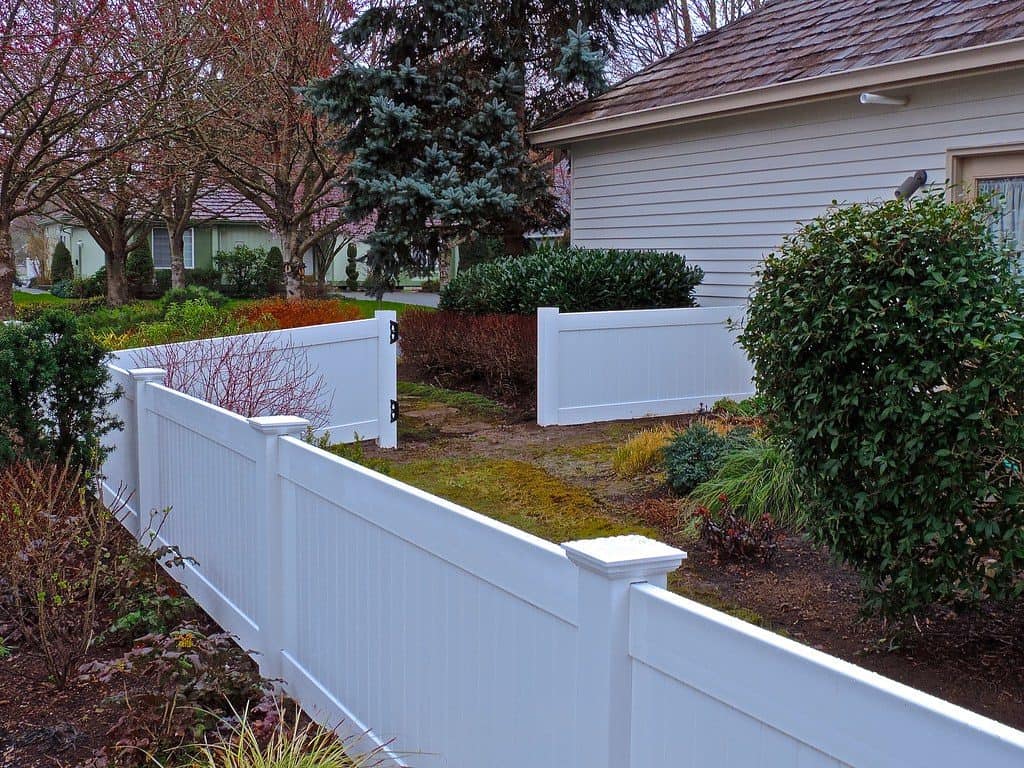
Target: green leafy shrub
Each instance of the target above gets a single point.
(695, 455)
(140, 273)
(163, 281)
(203, 277)
(574, 280)
(888, 341)
(248, 272)
(62, 269)
(495, 353)
(192, 292)
(54, 391)
(190, 319)
(757, 479)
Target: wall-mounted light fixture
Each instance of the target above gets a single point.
(891, 101)
(911, 185)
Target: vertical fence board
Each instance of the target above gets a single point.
(602, 366)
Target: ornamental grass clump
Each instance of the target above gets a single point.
(888, 342)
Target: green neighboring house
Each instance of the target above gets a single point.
(223, 220)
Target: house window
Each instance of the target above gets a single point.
(161, 247)
(997, 173)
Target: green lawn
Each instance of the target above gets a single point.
(369, 306)
(22, 299)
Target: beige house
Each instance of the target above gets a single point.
(719, 150)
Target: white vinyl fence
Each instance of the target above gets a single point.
(603, 366)
(460, 642)
(358, 360)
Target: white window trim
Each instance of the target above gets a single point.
(190, 252)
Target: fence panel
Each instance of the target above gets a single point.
(709, 689)
(357, 359)
(602, 366)
(203, 467)
(120, 466)
(444, 631)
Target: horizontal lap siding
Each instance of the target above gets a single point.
(726, 192)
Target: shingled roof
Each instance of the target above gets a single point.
(792, 40)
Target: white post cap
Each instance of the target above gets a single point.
(147, 374)
(279, 425)
(624, 557)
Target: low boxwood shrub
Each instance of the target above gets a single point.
(574, 280)
(497, 353)
(888, 342)
(695, 456)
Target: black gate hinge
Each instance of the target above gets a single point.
(394, 331)
(394, 411)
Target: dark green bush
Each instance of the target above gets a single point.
(181, 295)
(696, 455)
(888, 341)
(53, 391)
(351, 270)
(61, 267)
(273, 272)
(140, 273)
(207, 278)
(64, 289)
(163, 281)
(574, 280)
(90, 287)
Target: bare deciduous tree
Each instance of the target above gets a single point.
(68, 70)
(646, 39)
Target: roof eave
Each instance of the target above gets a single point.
(1006, 54)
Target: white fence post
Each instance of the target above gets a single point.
(607, 568)
(547, 366)
(269, 508)
(146, 448)
(387, 377)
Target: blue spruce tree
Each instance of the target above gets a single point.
(436, 127)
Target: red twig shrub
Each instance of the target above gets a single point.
(257, 374)
(497, 351)
(282, 313)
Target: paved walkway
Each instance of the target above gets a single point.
(402, 297)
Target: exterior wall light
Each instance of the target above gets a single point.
(911, 185)
(877, 98)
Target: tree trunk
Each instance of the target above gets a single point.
(177, 240)
(6, 271)
(117, 283)
(293, 266)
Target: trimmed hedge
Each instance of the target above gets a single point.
(574, 280)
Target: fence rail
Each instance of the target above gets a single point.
(602, 366)
(465, 643)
